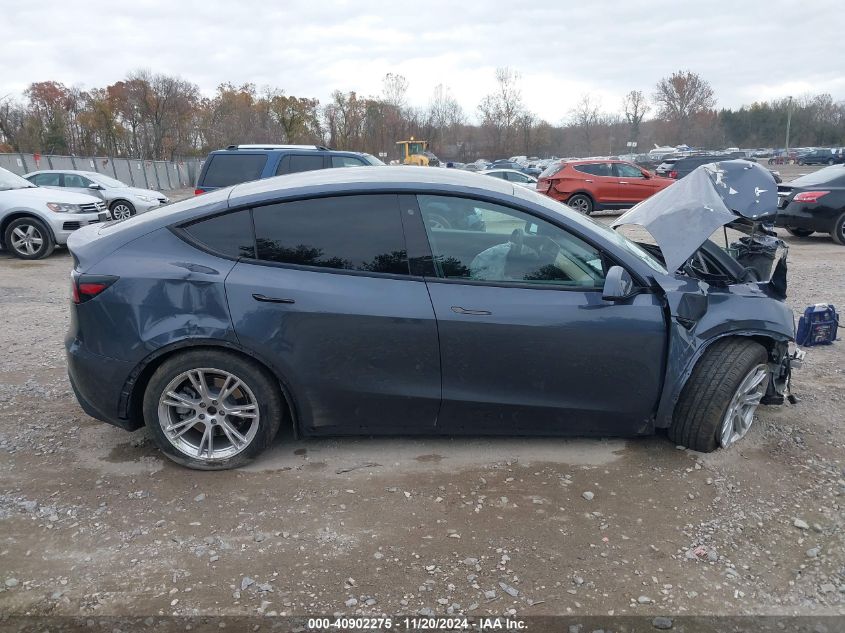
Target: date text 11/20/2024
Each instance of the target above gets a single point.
(416, 624)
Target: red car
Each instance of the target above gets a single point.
(589, 185)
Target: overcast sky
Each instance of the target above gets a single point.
(747, 49)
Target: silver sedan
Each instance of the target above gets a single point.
(123, 201)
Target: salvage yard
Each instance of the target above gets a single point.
(94, 520)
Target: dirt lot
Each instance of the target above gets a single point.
(94, 521)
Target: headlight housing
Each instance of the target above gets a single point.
(64, 207)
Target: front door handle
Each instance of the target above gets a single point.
(622, 182)
(265, 299)
(460, 310)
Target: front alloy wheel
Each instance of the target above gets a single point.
(121, 211)
(740, 413)
(29, 238)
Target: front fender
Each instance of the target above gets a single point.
(701, 315)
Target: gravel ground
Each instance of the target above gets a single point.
(94, 522)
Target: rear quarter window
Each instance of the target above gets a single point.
(229, 234)
(231, 169)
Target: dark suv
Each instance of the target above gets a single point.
(242, 163)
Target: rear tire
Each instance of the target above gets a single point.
(29, 238)
(711, 391)
(581, 203)
(799, 232)
(240, 424)
(838, 232)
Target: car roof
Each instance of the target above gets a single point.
(497, 169)
(372, 178)
(269, 148)
(64, 171)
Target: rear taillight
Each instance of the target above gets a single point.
(809, 196)
(85, 287)
(198, 192)
(673, 174)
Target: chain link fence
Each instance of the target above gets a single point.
(160, 175)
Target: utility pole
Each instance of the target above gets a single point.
(788, 122)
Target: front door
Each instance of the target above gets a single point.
(329, 301)
(526, 342)
(633, 185)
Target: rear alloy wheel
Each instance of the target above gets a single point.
(122, 210)
(581, 203)
(718, 402)
(28, 238)
(212, 410)
(799, 232)
(838, 232)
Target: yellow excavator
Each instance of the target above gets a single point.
(416, 153)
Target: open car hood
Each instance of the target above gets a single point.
(684, 215)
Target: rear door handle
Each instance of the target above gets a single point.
(622, 182)
(460, 310)
(265, 299)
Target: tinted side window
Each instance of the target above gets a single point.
(347, 161)
(47, 180)
(628, 171)
(294, 163)
(596, 169)
(229, 234)
(345, 233)
(231, 169)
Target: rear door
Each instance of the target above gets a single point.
(329, 300)
(526, 342)
(600, 180)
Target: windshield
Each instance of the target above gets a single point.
(372, 160)
(106, 181)
(8, 180)
(607, 232)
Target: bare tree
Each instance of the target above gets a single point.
(585, 117)
(681, 96)
(501, 109)
(635, 106)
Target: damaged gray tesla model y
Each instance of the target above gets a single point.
(398, 300)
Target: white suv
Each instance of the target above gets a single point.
(34, 220)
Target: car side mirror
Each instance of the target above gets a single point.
(95, 186)
(618, 285)
(646, 175)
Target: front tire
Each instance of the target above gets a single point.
(830, 161)
(29, 238)
(581, 203)
(799, 232)
(717, 405)
(121, 210)
(211, 409)
(838, 232)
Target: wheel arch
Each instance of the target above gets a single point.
(132, 395)
(774, 345)
(16, 215)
